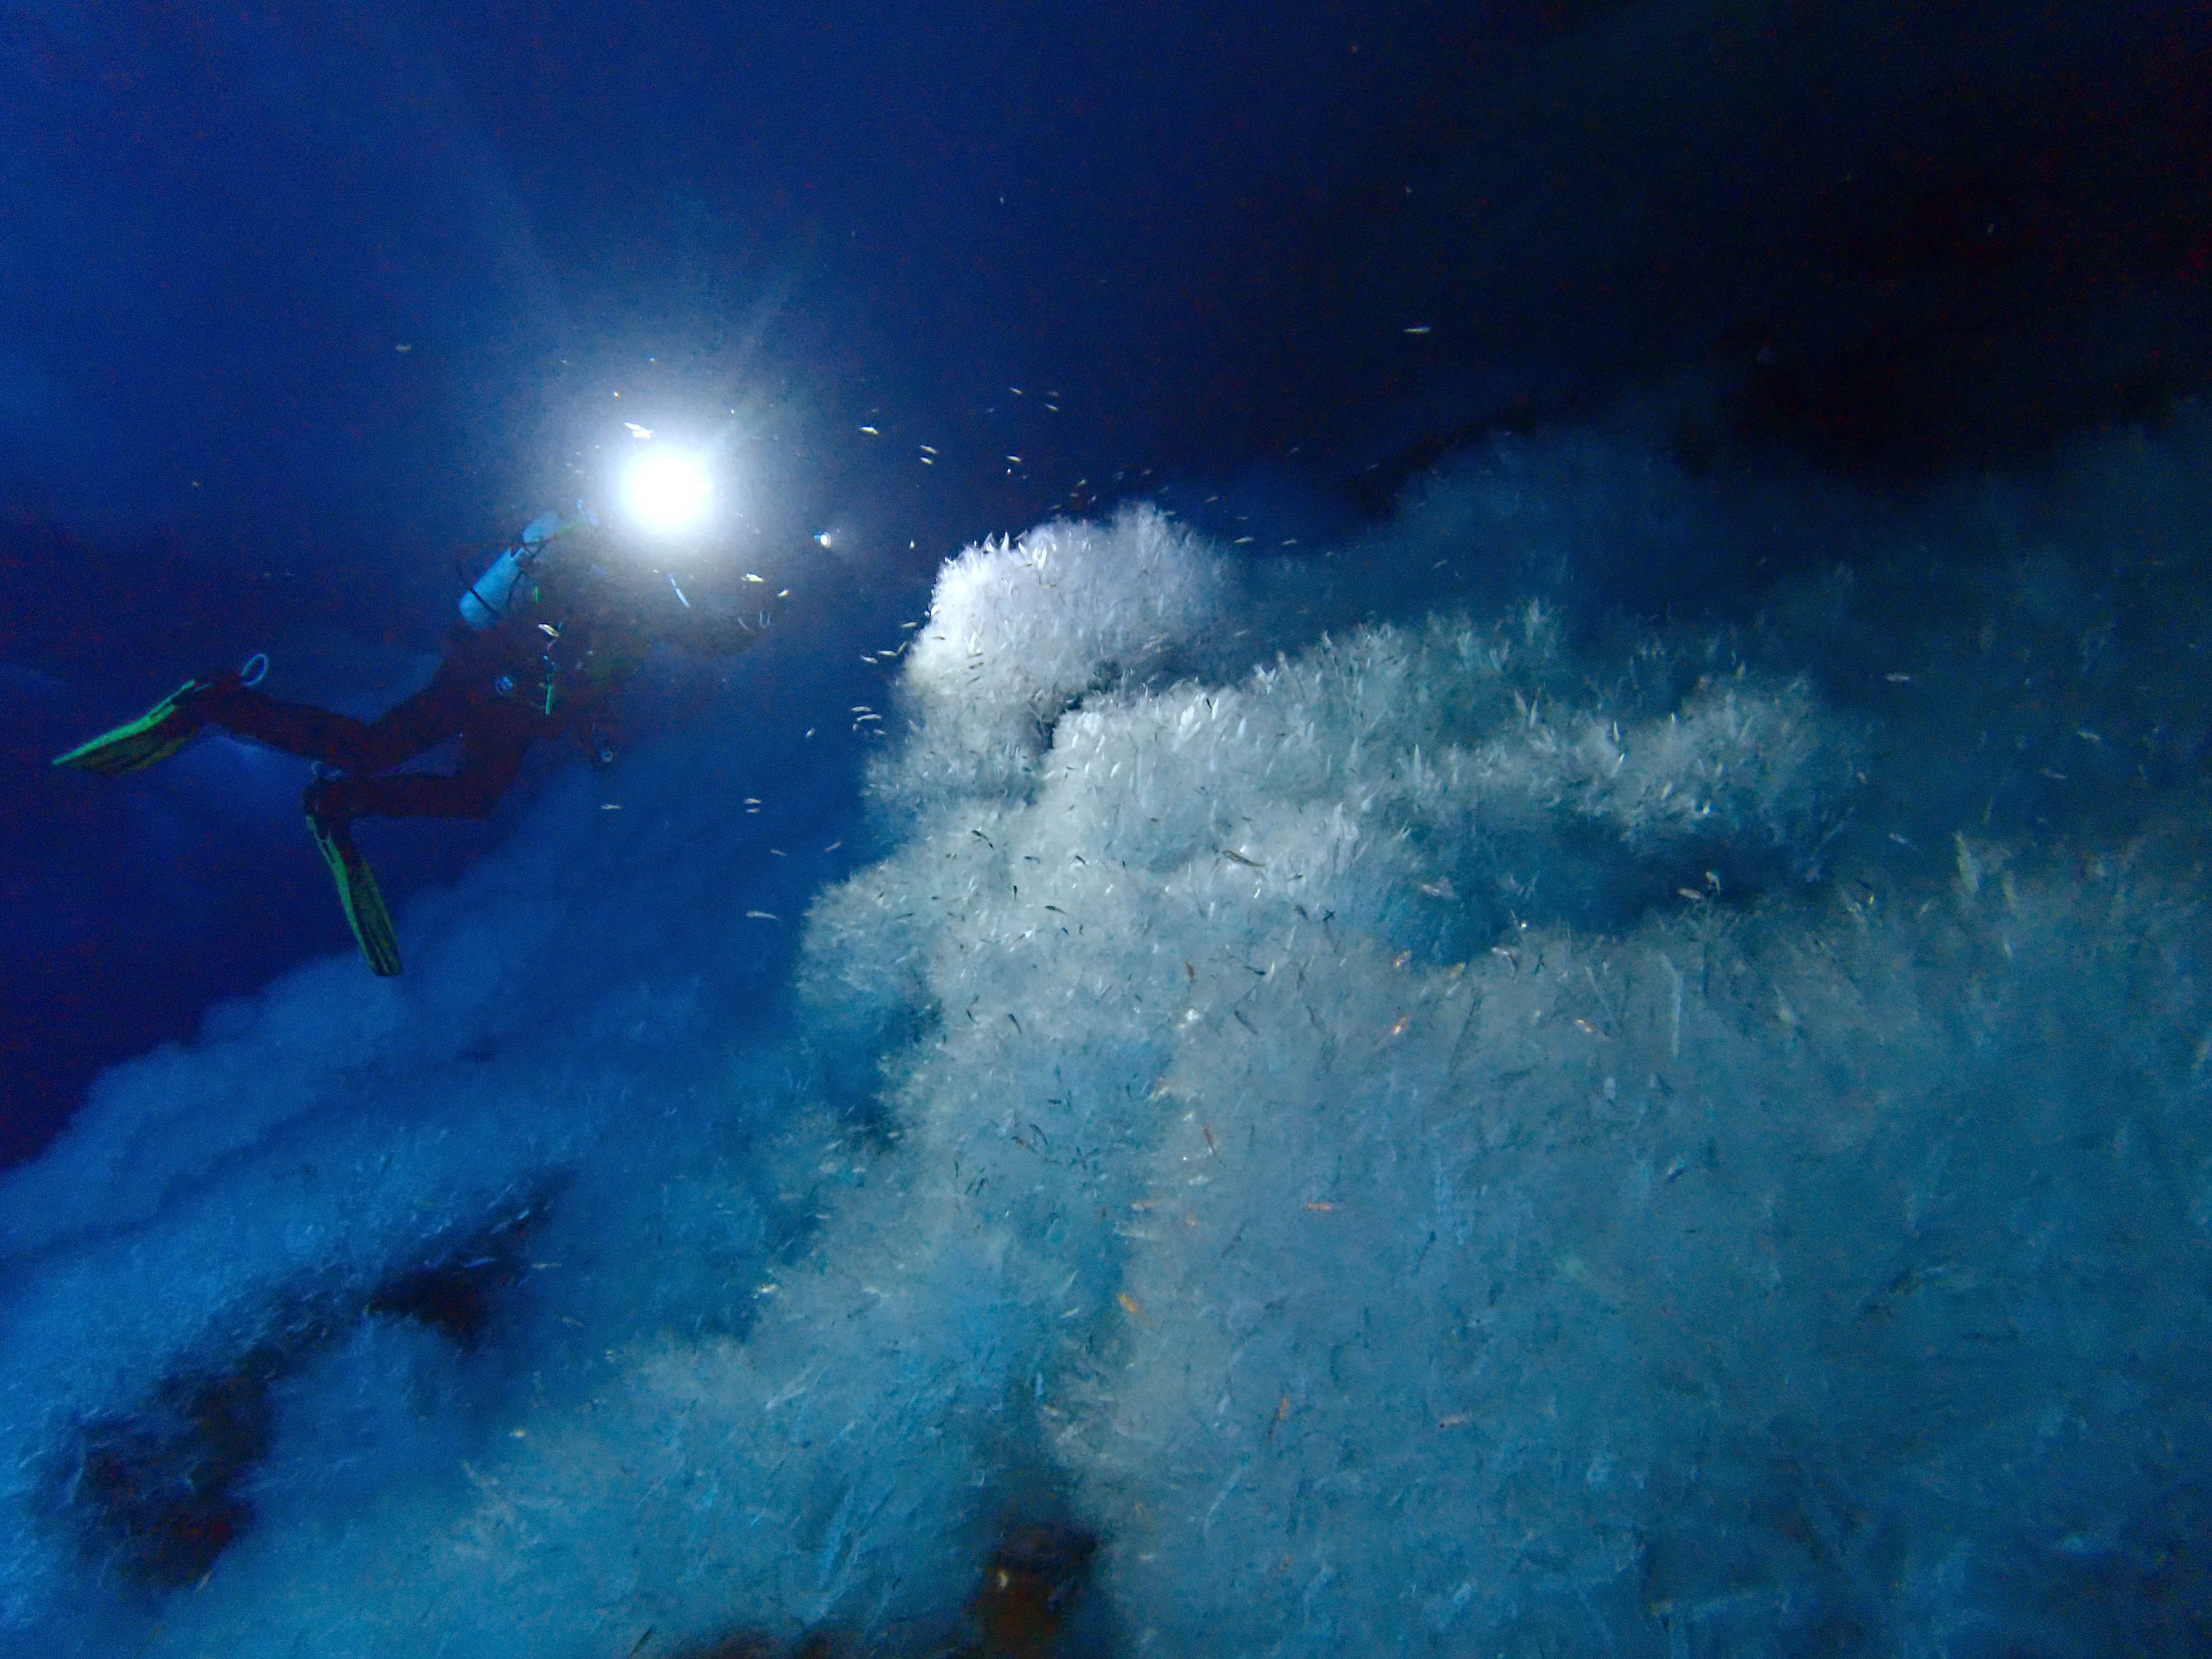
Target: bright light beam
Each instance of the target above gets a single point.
(666, 489)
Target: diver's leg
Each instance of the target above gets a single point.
(492, 748)
(296, 728)
(190, 710)
(414, 724)
(452, 704)
(490, 757)
(440, 710)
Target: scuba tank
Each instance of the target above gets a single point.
(486, 600)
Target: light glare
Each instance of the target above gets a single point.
(666, 489)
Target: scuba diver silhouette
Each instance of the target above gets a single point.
(544, 637)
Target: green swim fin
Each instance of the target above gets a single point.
(364, 906)
(155, 735)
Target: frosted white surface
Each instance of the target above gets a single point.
(1478, 1133)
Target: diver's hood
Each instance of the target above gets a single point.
(546, 525)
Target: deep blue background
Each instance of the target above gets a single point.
(302, 305)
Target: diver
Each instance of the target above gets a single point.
(545, 635)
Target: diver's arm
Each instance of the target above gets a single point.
(720, 633)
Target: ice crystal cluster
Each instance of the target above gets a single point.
(1478, 1133)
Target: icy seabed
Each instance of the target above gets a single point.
(1469, 1136)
